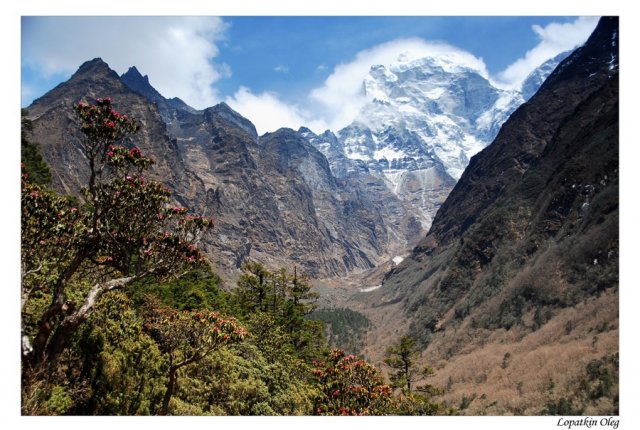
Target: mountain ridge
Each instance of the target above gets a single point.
(216, 164)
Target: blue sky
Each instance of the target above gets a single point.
(257, 45)
(281, 71)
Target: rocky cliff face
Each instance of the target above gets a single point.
(274, 198)
(515, 288)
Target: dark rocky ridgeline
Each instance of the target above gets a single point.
(140, 84)
(273, 198)
(529, 233)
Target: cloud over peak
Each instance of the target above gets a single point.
(177, 52)
(553, 39)
(340, 98)
(268, 112)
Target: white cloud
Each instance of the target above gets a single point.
(269, 113)
(340, 98)
(281, 69)
(554, 39)
(176, 52)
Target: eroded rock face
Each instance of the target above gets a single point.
(277, 201)
(273, 198)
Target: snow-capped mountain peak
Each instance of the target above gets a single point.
(423, 119)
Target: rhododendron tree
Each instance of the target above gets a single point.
(121, 229)
(350, 386)
(187, 337)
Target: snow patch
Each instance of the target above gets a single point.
(367, 289)
(613, 63)
(388, 154)
(357, 156)
(435, 93)
(407, 108)
(395, 179)
(397, 259)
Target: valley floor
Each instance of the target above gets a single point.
(501, 372)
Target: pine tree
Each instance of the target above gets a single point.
(401, 359)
